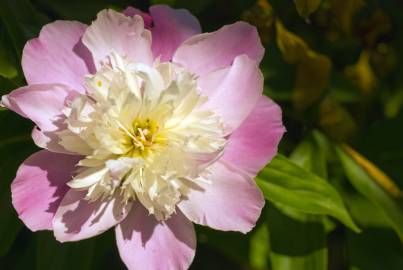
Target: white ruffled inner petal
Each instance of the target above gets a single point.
(143, 134)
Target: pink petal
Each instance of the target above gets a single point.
(58, 56)
(231, 202)
(234, 91)
(131, 11)
(114, 32)
(171, 28)
(78, 218)
(39, 187)
(42, 103)
(207, 52)
(144, 243)
(254, 143)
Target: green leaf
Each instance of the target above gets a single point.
(298, 229)
(370, 189)
(297, 240)
(364, 212)
(12, 27)
(259, 247)
(8, 85)
(21, 20)
(306, 7)
(311, 154)
(7, 62)
(284, 182)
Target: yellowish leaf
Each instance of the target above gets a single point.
(362, 74)
(376, 174)
(335, 120)
(313, 72)
(313, 69)
(375, 27)
(292, 46)
(306, 7)
(262, 16)
(7, 64)
(344, 11)
(394, 104)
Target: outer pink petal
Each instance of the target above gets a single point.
(42, 103)
(255, 142)
(58, 56)
(144, 243)
(210, 51)
(233, 92)
(77, 218)
(114, 32)
(131, 11)
(171, 28)
(231, 202)
(39, 186)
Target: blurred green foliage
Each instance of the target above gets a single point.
(335, 67)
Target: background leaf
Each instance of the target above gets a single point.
(306, 7)
(54, 255)
(311, 154)
(286, 183)
(15, 146)
(369, 188)
(259, 247)
(21, 20)
(297, 240)
(313, 69)
(375, 249)
(7, 62)
(306, 237)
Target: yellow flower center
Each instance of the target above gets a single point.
(144, 135)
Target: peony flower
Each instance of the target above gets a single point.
(146, 126)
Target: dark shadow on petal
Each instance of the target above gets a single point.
(60, 169)
(139, 221)
(84, 53)
(75, 219)
(182, 228)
